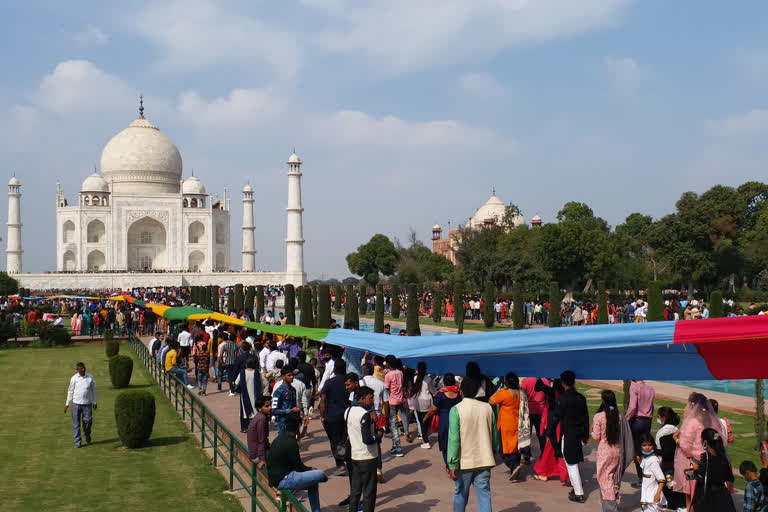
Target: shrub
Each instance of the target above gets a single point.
(716, 309)
(112, 348)
(250, 296)
(135, 417)
(239, 298)
(488, 301)
(7, 331)
(437, 306)
(602, 304)
(395, 308)
(353, 306)
(314, 300)
(323, 306)
(655, 302)
(290, 304)
(412, 315)
(56, 336)
(338, 291)
(306, 319)
(363, 302)
(108, 335)
(230, 299)
(378, 323)
(120, 369)
(8, 285)
(518, 314)
(554, 304)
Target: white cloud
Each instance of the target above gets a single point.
(402, 35)
(483, 85)
(626, 73)
(91, 36)
(195, 34)
(749, 123)
(240, 106)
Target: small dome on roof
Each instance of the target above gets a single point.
(436, 227)
(248, 188)
(95, 183)
(535, 218)
(294, 158)
(14, 181)
(193, 186)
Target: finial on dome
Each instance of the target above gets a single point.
(493, 193)
(193, 172)
(141, 107)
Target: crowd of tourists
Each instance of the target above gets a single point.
(362, 400)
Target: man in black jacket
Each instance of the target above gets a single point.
(286, 471)
(573, 416)
(239, 364)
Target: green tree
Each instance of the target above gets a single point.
(437, 306)
(290, 304)
(489, 298)
(250, 296)
(518, 314)
(412, 317)
(353, 309)
(323, 306)
(260, 303)
(378, 323)
(338, 292)
(395, 307)
(458, 305)
(230, 299)
(306, 319)
(716, 309)
(8, 285)
(363, 302)
(655, 302)
(239, 298)
(377, 257)
(602, 304)
(554, 305)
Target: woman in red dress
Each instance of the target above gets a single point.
(550, 464)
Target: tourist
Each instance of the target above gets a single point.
(163, 352)
(202, 362)
(155, 344)
(387, 329)
(606, 430)
(287, 471)
(654, 481)
(698, 416)
(420, 400)
(536, 403)
(728, 436)
(665, 448)
(485, 385)
(572, 414)
(221, 358)
(290, 347)
(242, 359)
(639, 415)
(306, 373)
(328, 354)
(185, 342)
(471, 448)
(257, 435)
(445, 398)
(756, 491)
(393, 383)
(369, 380)
(363, 442)
(274, 356)
(81, 394)
(263, 353)
(334, 400)
(174, 365)
(711, 470)
(514, 423)
(551, 463)
(284, 399)
(248, 384)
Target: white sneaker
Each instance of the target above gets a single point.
(190, 386)
(426, 446)
(231, 394)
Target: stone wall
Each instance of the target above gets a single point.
(127, 280)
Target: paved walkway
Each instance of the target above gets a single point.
(417, 482)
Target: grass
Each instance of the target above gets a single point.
(43, 471)
(446, 322)
(743, 448)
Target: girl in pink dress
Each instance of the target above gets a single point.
(606, 430)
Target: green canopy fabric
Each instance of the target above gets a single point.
(182, 312)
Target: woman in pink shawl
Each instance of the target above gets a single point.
(698, 416)
(77, 320)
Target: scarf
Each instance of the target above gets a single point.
(452, 389)
(523, 423)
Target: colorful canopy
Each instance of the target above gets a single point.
(722, 348)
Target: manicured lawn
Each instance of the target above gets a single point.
(43, 471)
(744, 447)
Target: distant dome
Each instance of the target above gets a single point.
(140, 159)
(14, 181)
(536, 218)
(248, 188)
(95, 183)
(436, 227)
(492, 210)
(294, 158)
(193, 186)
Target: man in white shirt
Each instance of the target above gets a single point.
(185, 342)
(82, 395)
(270, 318)
(274, 355)
(263, 358)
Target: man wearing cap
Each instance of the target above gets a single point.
(284, 399)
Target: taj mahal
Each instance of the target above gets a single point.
(139, 223)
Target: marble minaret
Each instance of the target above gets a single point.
(294, 242)
(249, 250)
(13, 251)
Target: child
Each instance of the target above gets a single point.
(651, 497)
(755, 498)
(202, 362)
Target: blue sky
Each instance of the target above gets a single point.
(405, 113)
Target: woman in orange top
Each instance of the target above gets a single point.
(508, 399)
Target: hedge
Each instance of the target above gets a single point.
(120, 369)
(112, 348)
(135, 417)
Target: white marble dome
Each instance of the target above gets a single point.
(294, 158)
(193, 186)
(493, 210)
(14, 181)
(95, 183)
(140, 159)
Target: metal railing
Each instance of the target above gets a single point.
(225, 447)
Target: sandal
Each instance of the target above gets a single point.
(540, 478)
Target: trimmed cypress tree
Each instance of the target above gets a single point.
(349, 292)
(213, 297)
(759, 412)
(378, 323)
(412, 318)
(554, 304)
(290, 304)
(518, 313)
(230, 299)
(458, 305)
(395, 307)
(437, 306)
(314, 300)
(134, 417)
(338, 292)
(602, 304)
(239, 298)
(306, 319)
(362, 304)
(323, 306)
(260, 304)
(655, 302)
(120, 369)
(489, 297)
(353, 307)
(250, 295)
(716, 309)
